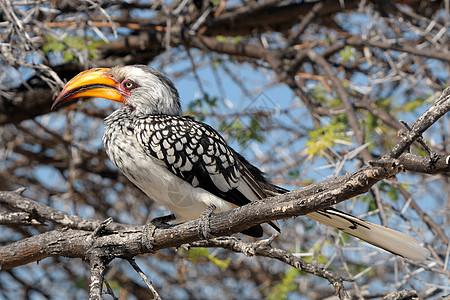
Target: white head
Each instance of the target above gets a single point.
(145, 89)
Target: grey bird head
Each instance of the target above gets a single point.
(145, 89)
(151, 91)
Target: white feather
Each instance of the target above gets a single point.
(383, 237)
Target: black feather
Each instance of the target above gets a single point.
(196, 153)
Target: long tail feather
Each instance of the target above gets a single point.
(380, 236)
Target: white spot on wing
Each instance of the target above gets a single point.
(171, 159)
(212, 169)
(207, 159)
(186, 167)
(200, 150)
(178, 146)
(195, 181)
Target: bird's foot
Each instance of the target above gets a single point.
(147, 236)
(204, 222)
(150, 228)
(161, 221)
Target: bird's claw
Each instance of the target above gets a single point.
(204, 222)
(149, 230)
(147, 236)
(161, 221)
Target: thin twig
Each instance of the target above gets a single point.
(145, 278)
(263, 248)
(110, 290)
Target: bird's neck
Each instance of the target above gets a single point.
(121, 115)
(128, 114)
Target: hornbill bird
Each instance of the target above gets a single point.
(186, 165)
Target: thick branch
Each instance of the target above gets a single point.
(261, 16)
(25, 105)
(128, 241)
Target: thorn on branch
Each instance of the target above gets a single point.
(250, 249)
(101, 227)
(340, 291)
(20, 190)
(419, 139)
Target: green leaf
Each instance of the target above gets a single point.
(243, 133)
(114, 284)
(202, 106)
(216, 63)
(196, 253)
(54, 46)
(68, 56)
(281, 290)
(347, 54)
(320, 93)
(368, 198)
(233, 40)
(411, 106)
(391, 190)
(221, 39)
(294, 174)
(421, 152)
(68, 44)
(326, 137)
(385, 103)
(236, 39)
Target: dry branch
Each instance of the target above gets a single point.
(274, 35)
(126, 241)
(100, 242)
(293, 204)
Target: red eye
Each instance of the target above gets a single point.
(129, 85)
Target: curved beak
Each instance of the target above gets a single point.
(91, 83)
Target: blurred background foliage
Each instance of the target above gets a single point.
(307, 90)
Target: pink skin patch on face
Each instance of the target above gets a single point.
(125, 88)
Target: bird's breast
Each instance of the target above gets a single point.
(151, 175)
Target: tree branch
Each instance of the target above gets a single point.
(435, 164)
(145, 278)
(428, 118)
(264, 248)
(98, 266)
(72, 243)
(39, 211)
(126, 241)
(100, 242)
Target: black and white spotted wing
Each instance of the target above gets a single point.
(196, 153)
